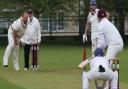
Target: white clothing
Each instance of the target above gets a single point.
(94, 73)
(109, 36)
(33, 33)
(93, 20)
(20, 29)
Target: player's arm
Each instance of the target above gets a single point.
(101, 37)
(39, 33)
(101, 41)
(14, 36)
(87, 28)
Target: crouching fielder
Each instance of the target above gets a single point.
(99, 71)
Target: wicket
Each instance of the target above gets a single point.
(34, 57)
(115, 67)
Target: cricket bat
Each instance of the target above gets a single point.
(84, 63)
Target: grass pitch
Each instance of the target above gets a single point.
(58, 69)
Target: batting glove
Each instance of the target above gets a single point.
(84, 38)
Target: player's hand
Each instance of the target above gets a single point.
(84, 38)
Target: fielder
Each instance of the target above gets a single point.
(92, 25)
(109, 37)
(100, 70)
(31, 38)
(15, 32)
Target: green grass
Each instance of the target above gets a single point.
(58, 70)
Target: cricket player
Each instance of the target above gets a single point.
(15, 32)
(92, 25)
(100, 70)
(31, 39)
(109, 36)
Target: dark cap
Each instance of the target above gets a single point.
(101, 13)
(29, 11)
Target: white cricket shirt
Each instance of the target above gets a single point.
(19, 27)
(111, 34)
(93, 19)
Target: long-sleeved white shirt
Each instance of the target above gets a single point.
(33, 33)
(108, 35)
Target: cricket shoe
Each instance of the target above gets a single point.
(35, 67)
(25, 69)
(5, 67)
(17, 69)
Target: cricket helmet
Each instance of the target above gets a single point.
(101, 13)
(98, 52)
(93, 2)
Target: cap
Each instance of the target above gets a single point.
(101, 13)
(93, 2)
(29, 11)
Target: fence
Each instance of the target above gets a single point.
(55, 26)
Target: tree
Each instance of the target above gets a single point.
(44, 7)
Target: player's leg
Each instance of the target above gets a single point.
(16, 57)
(94, 40)
(26, 56)
(8, 50)
(94, 44)
(85, 81)
(114, 81)
(113, 51)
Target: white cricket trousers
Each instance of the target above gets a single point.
(94, 75)
(94, 40)
(11, 48)
(113, 51)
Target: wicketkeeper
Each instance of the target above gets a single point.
(100, 70)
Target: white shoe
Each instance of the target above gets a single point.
(25, 69)
(17, 69)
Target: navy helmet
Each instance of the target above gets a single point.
(98, 52)
(93, 2)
